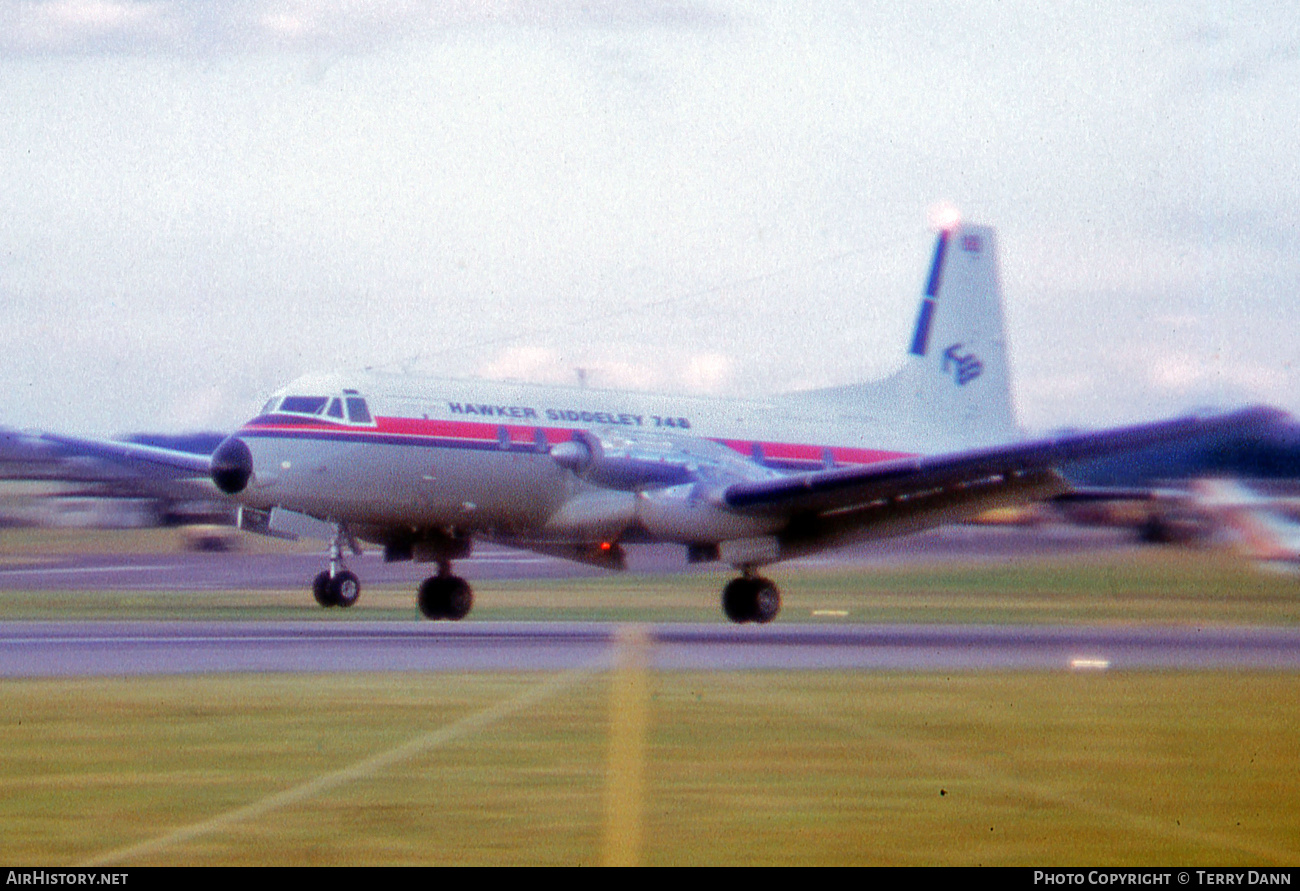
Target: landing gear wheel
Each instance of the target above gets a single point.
(459, 599)
(735, 598)
(345, 588)
(336, 586)
(766, 602)
(320, 589)
(754, 599)
(429, 597)
(445, 597)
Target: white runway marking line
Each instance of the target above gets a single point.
(81, 570)
(375, 763)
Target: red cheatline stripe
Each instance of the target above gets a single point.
(520, 434)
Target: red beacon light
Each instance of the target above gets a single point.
(944, 217)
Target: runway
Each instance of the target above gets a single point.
(61, 649)
(107, 648)
(189, 571)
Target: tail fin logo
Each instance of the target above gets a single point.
(965, 368)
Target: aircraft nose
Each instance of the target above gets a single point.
(232, 465)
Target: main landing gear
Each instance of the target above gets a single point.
(751, 598)
(445, 596)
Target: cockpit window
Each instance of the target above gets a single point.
(358, 413)
(304, 405)
(351, 407)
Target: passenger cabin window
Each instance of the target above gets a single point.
(335, 410)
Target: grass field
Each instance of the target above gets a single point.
(745, 768)
(1151, 767)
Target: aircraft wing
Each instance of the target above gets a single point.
(964, 475)
(150, 462)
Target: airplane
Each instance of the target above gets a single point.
(423, 466)
(1260, 526)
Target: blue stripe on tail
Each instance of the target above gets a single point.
(922, 335)
(921, 338)
(936, 268)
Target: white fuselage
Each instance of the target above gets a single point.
(477, 456)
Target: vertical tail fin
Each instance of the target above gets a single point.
(955, 389)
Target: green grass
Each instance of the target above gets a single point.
(1147, 767)
(29, 542)
(745, 767)
(1151, 587)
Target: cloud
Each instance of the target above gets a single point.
(184, 27)
(528, 363)
(708, 373)
(668, 195)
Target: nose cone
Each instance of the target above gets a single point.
(232, 465)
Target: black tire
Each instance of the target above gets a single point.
(458, 600)
(430, 598)
(320, 589)
(751, 600)
(765, 602)
(736, 600)
(345, 588)
(445, 597)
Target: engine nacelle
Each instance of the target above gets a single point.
(624, 462)
(667, 484)
(688, 514)
(598, 514)
(232, 465)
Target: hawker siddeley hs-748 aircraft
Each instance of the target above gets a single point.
(423, 466)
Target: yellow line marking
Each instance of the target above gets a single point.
(625, 778)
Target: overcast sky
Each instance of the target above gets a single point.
(201, 200)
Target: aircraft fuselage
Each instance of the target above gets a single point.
(483, 457)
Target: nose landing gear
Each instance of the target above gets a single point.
(342, 589)
(338, 586)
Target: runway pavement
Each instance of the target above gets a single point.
(55, 649)
(70, 648)
(189, 571)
